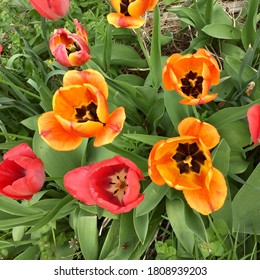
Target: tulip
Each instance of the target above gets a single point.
(80, 111)
(70, 49)
(21, 173)
(253, 117)
(128, 12)
(112, 184)
(192, 75)
(1, 49)
(51, 9)
(184, 163)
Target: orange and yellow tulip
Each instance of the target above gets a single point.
(184, 163)
(128, 12)
(70, 49)
(80, 111)
(192, 75)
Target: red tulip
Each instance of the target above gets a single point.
(112, 184)
(70, 49)
(51, 9)
(21, 173)
(253, 116)
(1, 48)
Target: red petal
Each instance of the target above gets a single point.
(253, 116)
(20, 150)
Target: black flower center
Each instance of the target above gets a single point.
(192, 84)
(124, 7)
(189, 158)
(87, 113)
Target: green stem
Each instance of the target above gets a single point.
(142, 45)
(16, 135)
(19, 88)
(196, 114)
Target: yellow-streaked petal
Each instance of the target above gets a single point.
(121, 21)
(207, 200)
(116, 5)
(198, 101)
(52, 132)
(205, 131)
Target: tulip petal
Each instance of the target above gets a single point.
(112, 128)
(20, 150)
(253, 117)
(121, 21)
(133, 189)
(205, 201)
(137, 8)
(205, 131)
(52, 132)
(76, 182)
(89, 76)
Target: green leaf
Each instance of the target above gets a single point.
(110, 244)
(141, 224)
(18, 233)
(175, 110)
(144, 138)
(246, 205)
(30, 253)
(222, 31)
(221, 157)
(57, 163)
(153, 194)
(155, 59)
(155, 114)
(87, 234)
(175, 210)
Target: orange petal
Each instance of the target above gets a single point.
(79, 58)
(205, 131)
(112, 128)
(206, 200)
(55, 135)
(81, 31)
(199, 101)
(152, 4)
(121, 21)
(89, 76)
(137, 8)
(116, 5)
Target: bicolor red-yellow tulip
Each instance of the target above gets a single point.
(80, 111)
(128, 12)
(70, 49)
(184, 163)
(192, 75)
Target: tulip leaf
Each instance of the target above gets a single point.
(153, 194)
(175, 210)
(221, 31)
(176, 111)
(110, 244)
(57, 163)
(155, 59)
(246, 205)
(31, 253)
(18, 232)
(147, 139)
(141, 224)
(87, 234)
(221, 157)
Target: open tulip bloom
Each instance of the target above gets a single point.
(184, 163)
(70, 49)
(51, 9)
(253, 117)
(80, 110)
(112, 184)
(21, 173)
(192, 75)
(128, 12)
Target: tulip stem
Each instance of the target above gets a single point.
(16, 136)
(196, 114)
(142, 45)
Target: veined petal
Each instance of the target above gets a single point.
(207, 200)
(205, 131)
(112, 128)
(121, 21)
(52, 132)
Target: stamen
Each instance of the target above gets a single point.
(87, 113)
(192, 84)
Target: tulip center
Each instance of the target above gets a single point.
(118, 184)
(192, 84)
(189, 158)
(87, 113)
(124, 7)
(73, 47)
